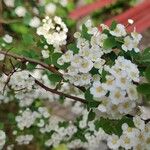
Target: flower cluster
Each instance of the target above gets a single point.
(98, 69)
(24, 139)
(140, 133)
(54, 31)
(118, 93)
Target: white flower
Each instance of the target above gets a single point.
(2, 139)
(72, 71)
(132, 92)
(9, 3)
(26, 119)
(122, 81)
(45, 53)
(119, 31)
(145, 111)
(102, 108)
(24, 139)
(82, 43)
(50, 9)
(96, 53)
(85, 79)
(97, 90)
(126, 141)
(88, 23)
(85, 52)
(113, 141)
(67, 57)
(41, 123)
(136, 36)
(60, 61)
(99, 63)
(139, 123)
(64, 2)
(85, 65)
(20, 11)
(21, 80)
(117, 96)
(7, 38)
(110, 83)
(2, 56)
(128, 44)
(76, 60)
(35, 22)
(44, 112)
(131, 132)
(54, 31)
(126, 106)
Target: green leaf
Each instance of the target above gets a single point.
(64, 124)
(70, 6)
(93, 104)
(147, 73)
(30, 66)
(88, 96)
(27, 18)
(61, 147)
(110, 42)
(84, 33)
(19, 28)
(103, 76)
(27, 39)
(91, 115)
(1, 126)
(145, 56)
(54, 78)
(73, 48)
(30, 54)
(111, 126)
(113, 25)
(55, 57)
(144, 88)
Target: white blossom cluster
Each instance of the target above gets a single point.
(26, 118)
(136, 138)
(24, 139)
(118, 94)
(54, 31)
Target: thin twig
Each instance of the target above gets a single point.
(33, 61)
(60, 93)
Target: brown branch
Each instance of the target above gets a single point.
(60, 93)
(33, 61)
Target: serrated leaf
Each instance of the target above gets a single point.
(110, 42)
